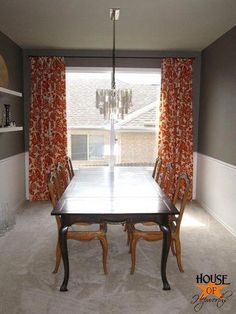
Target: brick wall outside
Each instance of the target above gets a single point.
(137, 147)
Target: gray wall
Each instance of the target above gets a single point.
(217, 117)
(12, 143)
(102, 58)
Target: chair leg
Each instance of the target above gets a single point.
(104, 244)
(58, 258)
(133, 253)
(128, 234)
(131, 237)
(178, 254)
(103, 227)
(173, 247)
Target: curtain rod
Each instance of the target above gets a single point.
(110, 57)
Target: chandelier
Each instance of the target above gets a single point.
(113, 103)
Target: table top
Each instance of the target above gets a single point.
(125, 191)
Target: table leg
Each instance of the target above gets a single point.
(64, 253)
(165, 251)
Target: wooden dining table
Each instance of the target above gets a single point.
(124, 195)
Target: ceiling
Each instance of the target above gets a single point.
(143, 24)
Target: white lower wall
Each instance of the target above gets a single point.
(27, 175)
(12, 181)
(194, 175)
(215, 190)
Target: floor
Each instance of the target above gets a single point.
(28, 286)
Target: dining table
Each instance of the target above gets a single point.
(122, 195)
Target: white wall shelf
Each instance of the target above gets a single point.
(10, 92)
(11, 129)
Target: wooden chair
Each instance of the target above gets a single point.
(54, 192)
(165, 180)
(70, 167)
(157, 169)
(63, 176)
(181, 192)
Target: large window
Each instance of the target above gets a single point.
(89, 134)
(87, 147)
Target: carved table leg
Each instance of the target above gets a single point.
(165, 251)
(64, 253)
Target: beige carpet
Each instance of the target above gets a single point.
(28, 286)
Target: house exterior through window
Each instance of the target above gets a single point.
(89, 134)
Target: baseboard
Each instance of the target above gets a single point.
(20, 204)
(213, 214)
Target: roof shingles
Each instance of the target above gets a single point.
(81, 108)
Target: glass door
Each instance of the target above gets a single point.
(92, 141)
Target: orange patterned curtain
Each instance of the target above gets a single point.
(176, 124)
(47, 122)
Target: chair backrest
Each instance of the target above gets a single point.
(167, 179)
(157, 169)
(181, 194)
(53, 187)
(69, 167)
(63, 177)
(54, 192)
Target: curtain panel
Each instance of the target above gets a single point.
(47, 122)
(175, 142)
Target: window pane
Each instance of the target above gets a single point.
(96, 147)
(79, 147)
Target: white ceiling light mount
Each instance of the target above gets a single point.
(115, 14)
(114, 103)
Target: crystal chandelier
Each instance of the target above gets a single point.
(113, 103)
